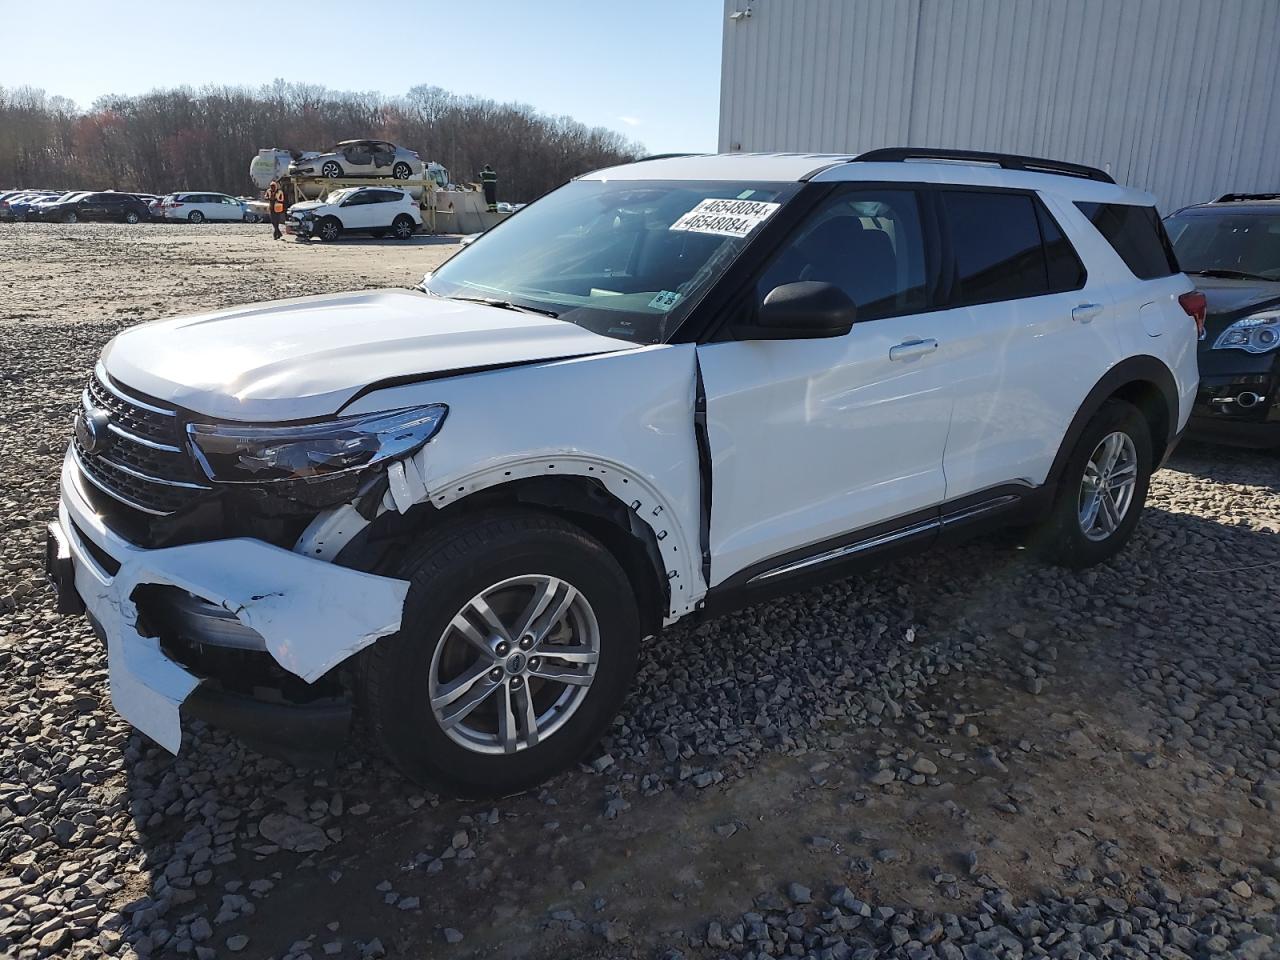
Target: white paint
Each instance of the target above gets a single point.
(303, 358)
(312, 614)
(624, 419)
(1174, 96)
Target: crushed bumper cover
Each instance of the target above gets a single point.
(311, 614)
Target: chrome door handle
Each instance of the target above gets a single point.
(912, 348)
(1086, 312)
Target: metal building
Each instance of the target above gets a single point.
(1178, 97)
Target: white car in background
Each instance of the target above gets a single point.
(376, 211)
(199, 207)
(360, 158)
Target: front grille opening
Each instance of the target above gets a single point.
(109, 564)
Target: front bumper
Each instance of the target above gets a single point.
(311, 615)
(1238, 402)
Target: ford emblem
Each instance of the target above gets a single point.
(92, 432)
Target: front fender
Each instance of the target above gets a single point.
(624, 419)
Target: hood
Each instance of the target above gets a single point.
(305, 358)
(308, 205)
(1229, 300)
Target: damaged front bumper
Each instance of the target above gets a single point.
(308, 617)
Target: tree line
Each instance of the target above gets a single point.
(184, 139)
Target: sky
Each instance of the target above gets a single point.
(649, 69)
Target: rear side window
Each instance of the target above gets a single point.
(1137, 235)
(998, 252)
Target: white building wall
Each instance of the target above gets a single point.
(1179, 97)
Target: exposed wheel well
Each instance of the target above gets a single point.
(579, 500)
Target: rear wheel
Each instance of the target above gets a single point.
(402, 227)
(132, 217)
(1102, 489)
(195, 216)
(329, 229)
(517, 644)
(401, 171)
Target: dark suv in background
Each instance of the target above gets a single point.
(116, 207)
(1232, 247)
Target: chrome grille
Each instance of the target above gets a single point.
(144, 465)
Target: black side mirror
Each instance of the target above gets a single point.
(803, 310)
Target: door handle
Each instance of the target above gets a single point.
(908, 349)
(1086, 312)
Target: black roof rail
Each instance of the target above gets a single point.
(1244, 197)
(667, 156)
(1009, 161)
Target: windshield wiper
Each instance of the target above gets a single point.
(1231, 274)
(508, 305)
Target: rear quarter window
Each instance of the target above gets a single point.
(1137, 235)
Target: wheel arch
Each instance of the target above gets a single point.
(1148, 384)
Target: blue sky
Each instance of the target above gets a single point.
(647, 68)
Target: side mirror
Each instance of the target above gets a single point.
(803, 310)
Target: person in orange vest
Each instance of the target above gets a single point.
(275, 206)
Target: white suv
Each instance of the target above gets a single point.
(376, 211)
(663, 390)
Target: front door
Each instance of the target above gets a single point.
(814, 440)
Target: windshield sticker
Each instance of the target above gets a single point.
(665, 300)
(726, 218)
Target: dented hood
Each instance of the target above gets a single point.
(304, 358)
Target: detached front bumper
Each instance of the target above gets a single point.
(310, 615)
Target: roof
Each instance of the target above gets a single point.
(826, 167)
(1250, 205)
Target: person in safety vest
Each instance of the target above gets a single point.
(489, 181)
(275, 206)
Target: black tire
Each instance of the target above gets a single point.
(1061, 538)
(70, 217)
(463, 558)
(329, 229)
(195, 216)
(402, 171)
(131, 216)
(403, 227)
(331, 169)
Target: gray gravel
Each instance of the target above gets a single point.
(887, 694)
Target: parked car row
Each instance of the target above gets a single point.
(120, 207)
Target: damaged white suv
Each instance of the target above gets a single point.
(662, 390)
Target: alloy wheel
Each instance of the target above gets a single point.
(1107, 488)
(514, 664)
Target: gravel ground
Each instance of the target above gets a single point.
(967, 755)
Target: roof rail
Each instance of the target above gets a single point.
(1009, 161)
(667, 156)
(1243, 197)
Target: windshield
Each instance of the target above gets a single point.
(1233, 243)
(626, 259)
(339, 195)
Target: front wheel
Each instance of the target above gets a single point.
(329, 229)
(71, 218)
(518, 641)
(403, 227)
(1102, 489)
(331, 169)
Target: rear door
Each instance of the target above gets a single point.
(813, 441)
(1041, 336)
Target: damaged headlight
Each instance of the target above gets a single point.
(236, 453)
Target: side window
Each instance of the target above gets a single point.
(996, 242)
(1066, 272)
(867, 242)
(1137, 234)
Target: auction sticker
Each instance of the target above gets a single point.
(726, 218)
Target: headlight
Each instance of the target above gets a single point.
(1254, 334)
(234, 453)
